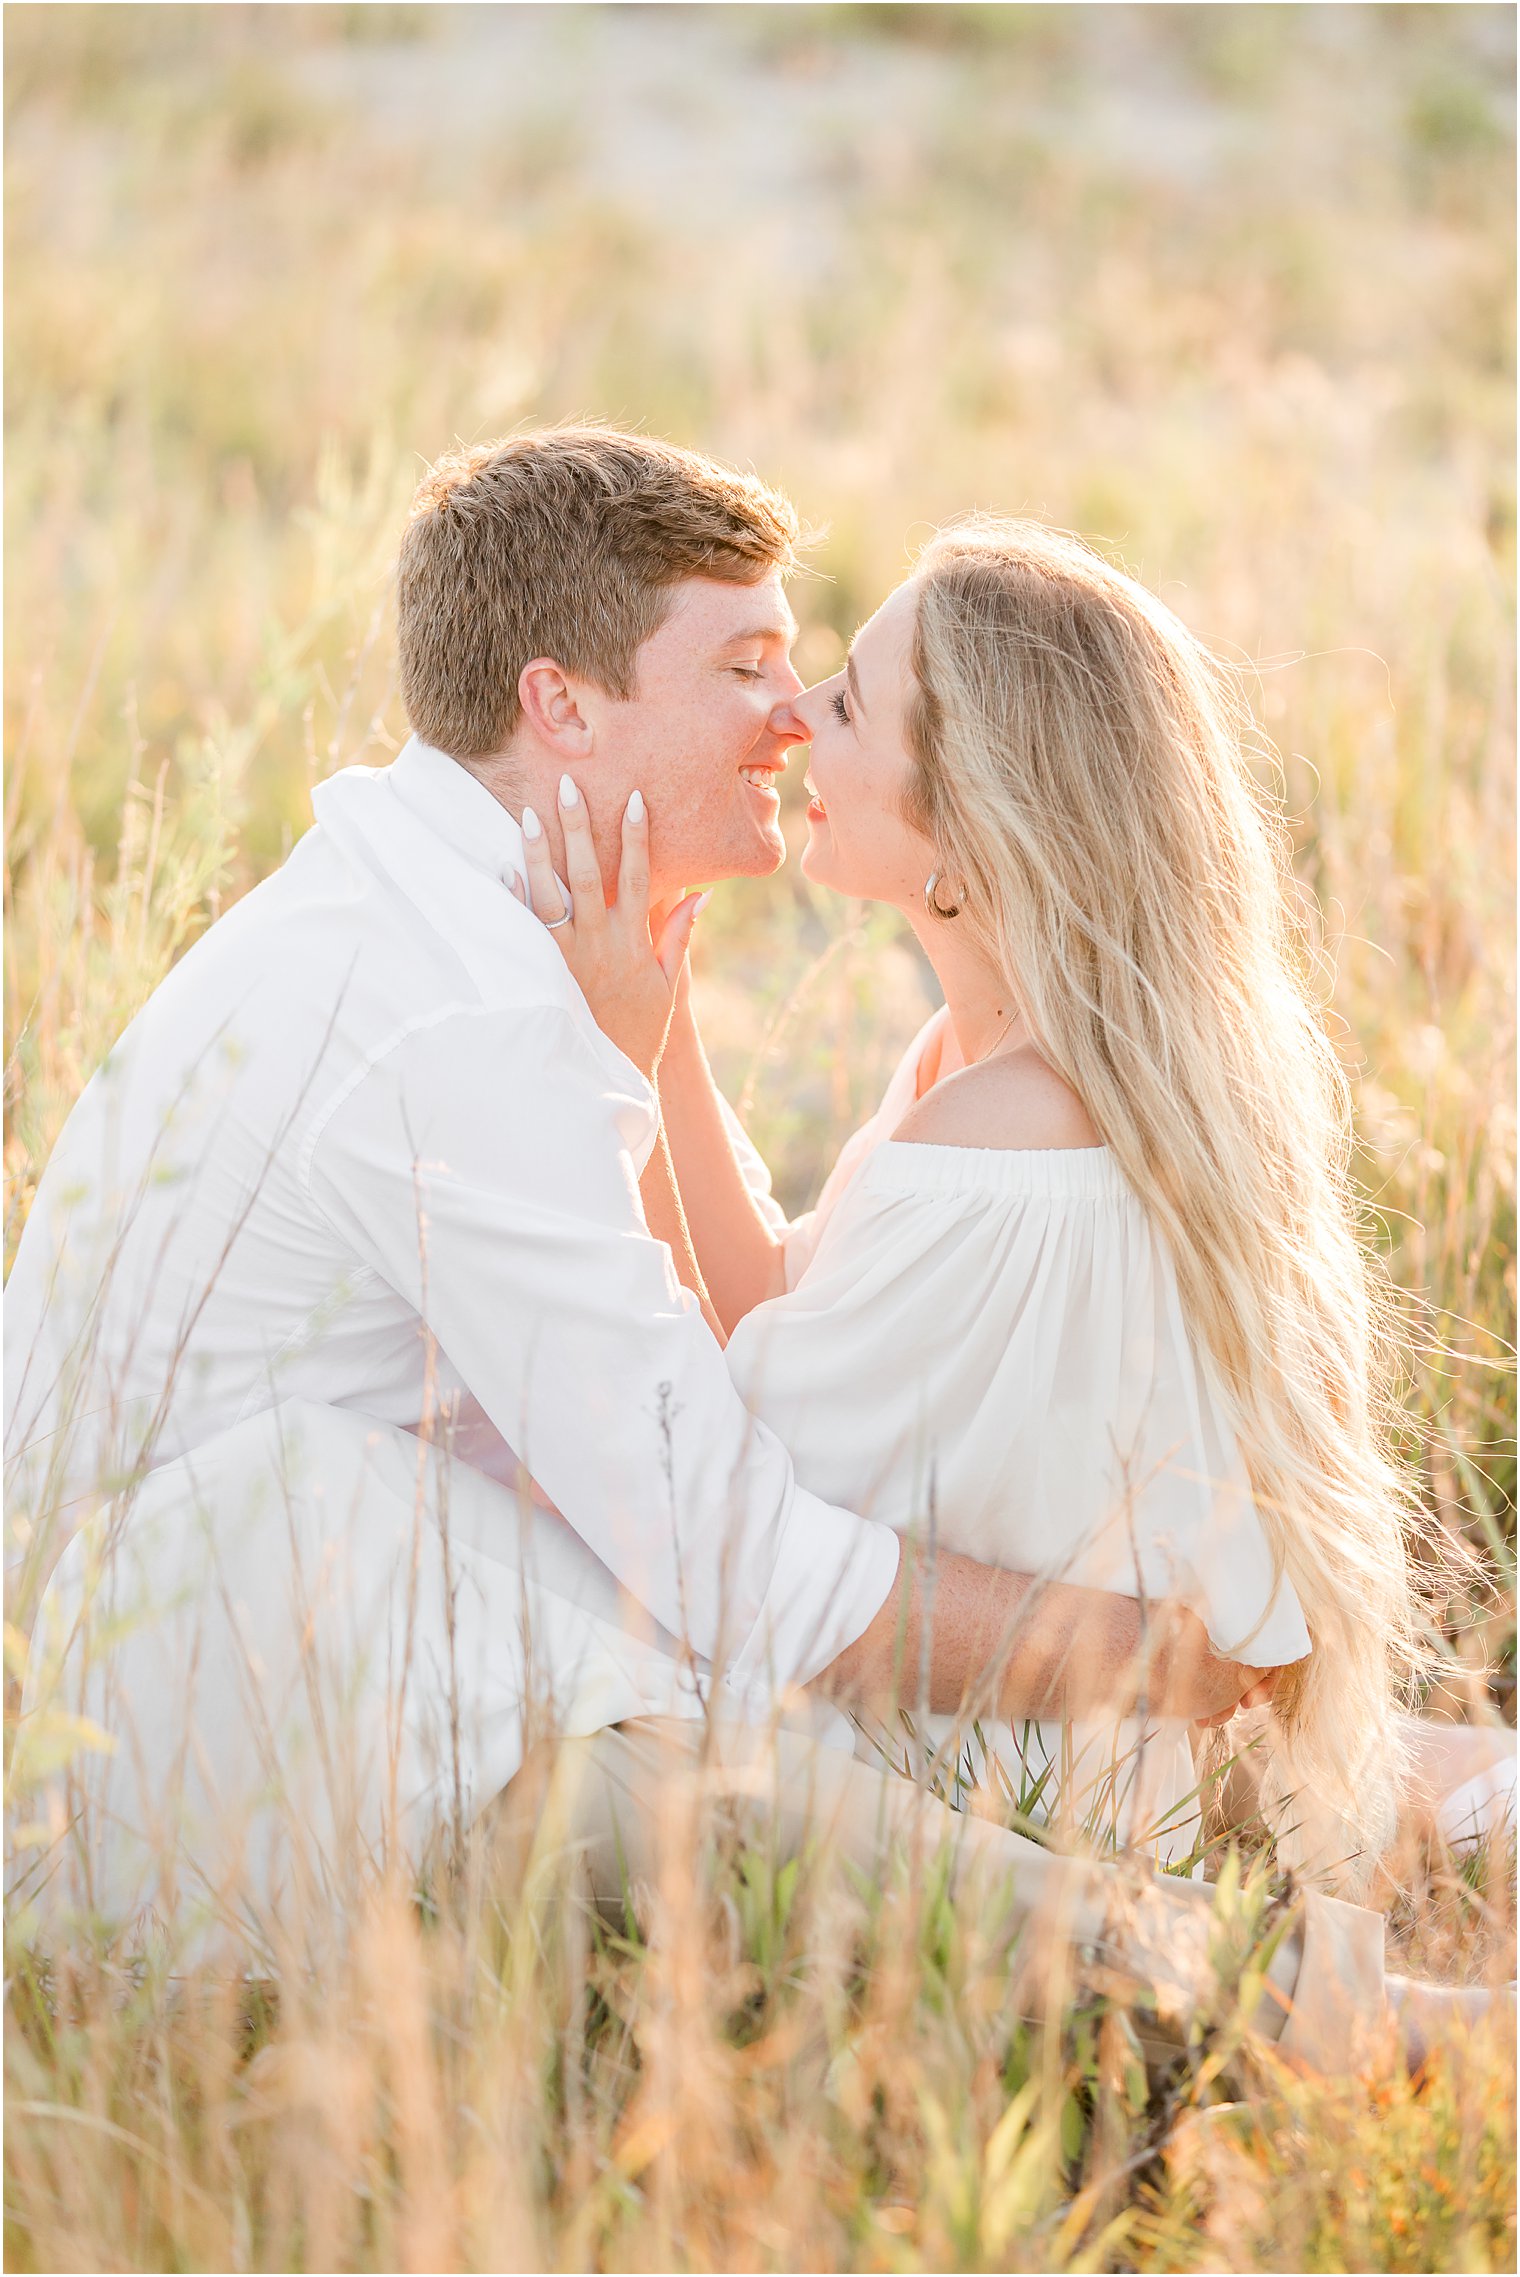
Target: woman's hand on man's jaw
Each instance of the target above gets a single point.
(628, 959)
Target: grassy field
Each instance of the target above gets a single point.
(1227, 289)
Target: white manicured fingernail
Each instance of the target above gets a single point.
(702, 901)
(568, 794)
(531, 826)
(636, 806)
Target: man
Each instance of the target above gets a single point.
(364, 1167)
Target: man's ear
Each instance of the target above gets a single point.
(550, 707)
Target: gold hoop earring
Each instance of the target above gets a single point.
(934, 906)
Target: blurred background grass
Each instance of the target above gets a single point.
(1227, 289)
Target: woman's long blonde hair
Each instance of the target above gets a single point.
(1081, 767)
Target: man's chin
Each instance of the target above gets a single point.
(761, 858)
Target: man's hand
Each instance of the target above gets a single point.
(1183, 1676)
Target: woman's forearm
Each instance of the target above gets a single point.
(739, 1255)
(666, 1220)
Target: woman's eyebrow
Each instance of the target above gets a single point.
(852, 678)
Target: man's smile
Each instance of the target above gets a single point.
(763, 777)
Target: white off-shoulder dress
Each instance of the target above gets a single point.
(999, 1330)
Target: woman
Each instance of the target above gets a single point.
(1104, 1205)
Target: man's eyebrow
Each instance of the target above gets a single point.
(778, 628)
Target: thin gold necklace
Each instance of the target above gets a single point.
(997, 1039)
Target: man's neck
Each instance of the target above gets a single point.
(516, 779)
(502, 779)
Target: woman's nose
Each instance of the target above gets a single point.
(787, 722)
(801, 708)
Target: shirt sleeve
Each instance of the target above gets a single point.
(486, 1167)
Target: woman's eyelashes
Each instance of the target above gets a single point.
(839, 707)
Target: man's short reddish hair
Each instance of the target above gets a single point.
(565, 543)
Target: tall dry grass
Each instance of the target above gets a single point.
(1227, 289)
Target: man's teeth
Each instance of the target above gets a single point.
(759, 776)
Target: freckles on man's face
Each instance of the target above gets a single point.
(709, 728)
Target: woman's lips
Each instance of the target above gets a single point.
(816, 810)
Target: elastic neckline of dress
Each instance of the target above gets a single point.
(1075, 1173)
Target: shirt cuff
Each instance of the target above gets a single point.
(832, 1575)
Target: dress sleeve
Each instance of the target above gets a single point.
(486, 1168)
(797, 1236)
(753, 1169)
(806, 1232)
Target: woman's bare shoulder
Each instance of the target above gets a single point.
(1012, 1101)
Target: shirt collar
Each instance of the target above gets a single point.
(435, 832)
(457, 806)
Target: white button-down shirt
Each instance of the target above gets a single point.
(366, 1146)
